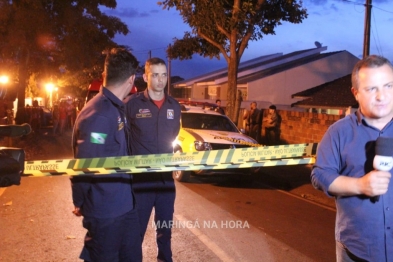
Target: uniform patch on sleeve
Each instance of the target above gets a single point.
(170, 114)
(98, 138)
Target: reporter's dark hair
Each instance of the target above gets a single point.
(372, 61)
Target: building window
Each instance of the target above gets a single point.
(213, 92)
(181, 92)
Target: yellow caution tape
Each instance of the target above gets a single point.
(214, 159)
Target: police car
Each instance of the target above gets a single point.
(204, 129)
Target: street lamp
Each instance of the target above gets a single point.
(50, 87)
(3, 88)
(4, 79)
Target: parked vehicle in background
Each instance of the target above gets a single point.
(204, 129)
(95, 87)
(204, 105)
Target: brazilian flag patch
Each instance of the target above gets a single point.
(98, 138)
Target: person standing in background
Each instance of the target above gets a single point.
(219, 109)
(272, 125)
(35, 117)
(246, 123)
(154, 124)
(254, 121)
(55, 118)
(62, 117)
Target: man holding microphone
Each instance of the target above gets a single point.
(344, 167)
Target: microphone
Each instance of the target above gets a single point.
(15, 130)
(383, 160)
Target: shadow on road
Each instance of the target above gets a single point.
(292, 179)
(281, 177)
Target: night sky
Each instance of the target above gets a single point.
(339, 25)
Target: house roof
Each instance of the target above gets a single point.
(333, 94)
(260, 66)
(281, 67)
(224, 71)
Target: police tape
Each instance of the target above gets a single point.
(295, 154)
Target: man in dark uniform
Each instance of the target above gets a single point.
(154, 119)
(255, 121)
(106, 202)
(219, 109)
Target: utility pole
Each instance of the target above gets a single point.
(367, 26)
(169, 72)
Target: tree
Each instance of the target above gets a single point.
(50, 38)
(225, 27)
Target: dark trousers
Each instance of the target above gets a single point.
(113, 239)
(272, 136)
(255, 132)
(156, 190)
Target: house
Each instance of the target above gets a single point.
(271, 79)
(334, 97)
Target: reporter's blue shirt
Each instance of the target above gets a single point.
(348, 149)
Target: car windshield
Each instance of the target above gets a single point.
(205, 121)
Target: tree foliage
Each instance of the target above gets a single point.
(55, 38)
(224, 27)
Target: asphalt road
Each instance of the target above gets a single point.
(283, 226)
(216, 219)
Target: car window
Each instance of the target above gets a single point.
(209, 122)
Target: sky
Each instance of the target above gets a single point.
(336, 24)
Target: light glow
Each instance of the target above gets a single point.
(4, 79)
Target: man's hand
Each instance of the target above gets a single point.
(374, 183)
(77, 212)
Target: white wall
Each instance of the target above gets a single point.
(198, 92)
(278, 88)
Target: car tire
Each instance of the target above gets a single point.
(181, 175)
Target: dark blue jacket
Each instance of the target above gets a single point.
(152, 129)
(99, 131)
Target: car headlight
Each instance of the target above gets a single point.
(175, 142)
(202, 146)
